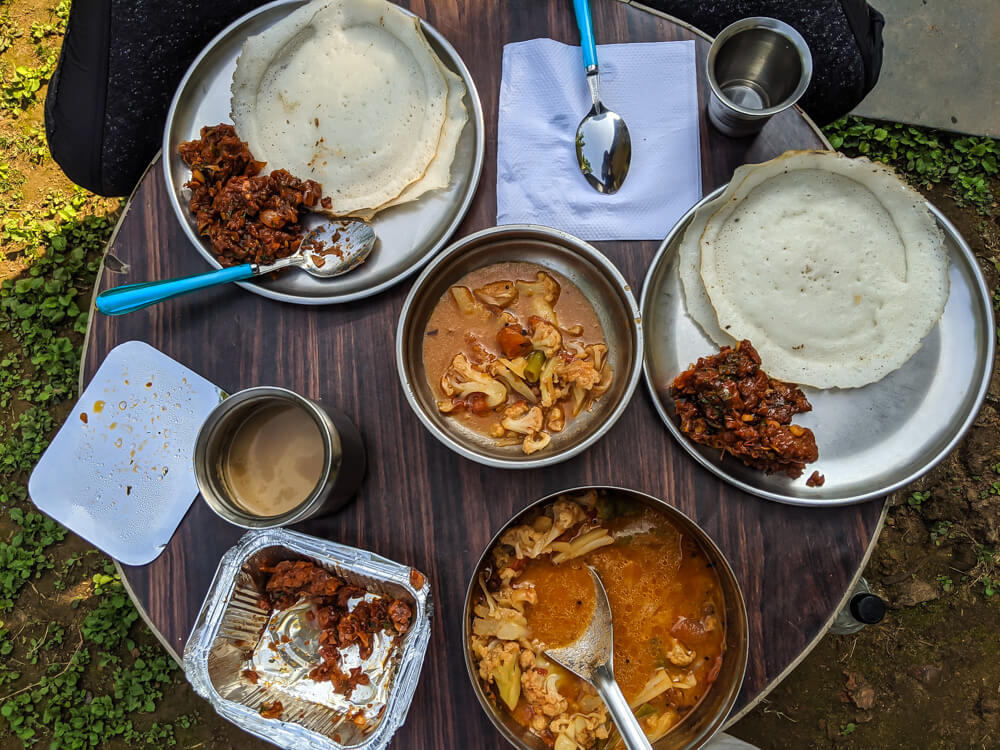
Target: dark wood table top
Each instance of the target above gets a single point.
(420, 503)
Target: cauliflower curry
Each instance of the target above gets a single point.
(515, 353)
(666, 603)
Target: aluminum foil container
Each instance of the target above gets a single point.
(234, 634)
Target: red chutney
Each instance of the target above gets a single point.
(292, 581)
(727, 402)
(247, 217)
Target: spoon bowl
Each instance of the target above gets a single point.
(330, 249)
(603, 149)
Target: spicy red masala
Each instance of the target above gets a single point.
(727, 402)
(340, 623)
(248, 217)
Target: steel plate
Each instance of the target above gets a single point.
(872, 440)
(408, 235)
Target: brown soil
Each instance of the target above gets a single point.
(928, 676)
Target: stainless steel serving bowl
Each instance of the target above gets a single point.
(708, 716)
(595, 276)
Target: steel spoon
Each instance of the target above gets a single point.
(591, 658)
(330, 249)
(603, 144)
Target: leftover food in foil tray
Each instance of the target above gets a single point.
(310, 644)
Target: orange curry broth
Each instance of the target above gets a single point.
(447, 328)
(654, 576)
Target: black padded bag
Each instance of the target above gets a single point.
(120, 64)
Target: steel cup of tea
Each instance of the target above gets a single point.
(268, 457)
(757, 67)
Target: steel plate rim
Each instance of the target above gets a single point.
(470, 194)
(980, 292)
(548, 460)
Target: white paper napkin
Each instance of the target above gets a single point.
(543, 97)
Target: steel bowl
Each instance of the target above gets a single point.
(708, 716)
(580, 263)
(343, 457)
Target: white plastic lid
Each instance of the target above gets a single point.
(119, 472)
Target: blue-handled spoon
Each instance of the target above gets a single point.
(330, 249)
(603, 145)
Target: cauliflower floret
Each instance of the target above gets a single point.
(505, 623)
(520, 419)
(556, 420)
(578, 372)
(527, 658)
(607, 376)
(545, 336)
(532, 541)
(516, 597)
(500, 370)
(597, 353)
(499, 293)
(660, 723)
(535, 442)
(552, 391)
(461, 380)
(446, 406)
(566, 514)
(542, 294)
(679, 655)
(495, 654)
(503, 563)
(539, 687)
(580, 729)
(469, 305)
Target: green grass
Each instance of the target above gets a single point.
(81, 673)
(966, 164)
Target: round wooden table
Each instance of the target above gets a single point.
(420, 503)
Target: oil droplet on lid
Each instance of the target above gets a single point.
(98, 407)
(122, 405)
(118, 443)
(112, 425)
(83, 417)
